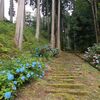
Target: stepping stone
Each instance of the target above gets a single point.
(69, 86)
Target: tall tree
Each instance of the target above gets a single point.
(93, 4)
(38, 21)
(11, 10)
(53, 25)
(58, 32)
(82, 32)
(20, 24)
(1, 9)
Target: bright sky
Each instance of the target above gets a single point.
(28, 8)
(7, 3)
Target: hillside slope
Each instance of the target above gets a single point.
(7, 45)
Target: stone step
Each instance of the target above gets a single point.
(73, 92)
(63, 77)
(69, 86)
(59, 96)
(61, 80)
(79, 93)
(64, 74)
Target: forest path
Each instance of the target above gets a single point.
(68, 78)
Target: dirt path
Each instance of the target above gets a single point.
(69, 78)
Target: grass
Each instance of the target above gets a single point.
(7, 45)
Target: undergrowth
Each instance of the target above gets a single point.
(7, 45)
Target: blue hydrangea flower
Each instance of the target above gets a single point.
(22, 69)
(15, 82)
(7, 95)
(32, 73)
(28, 75)
(17, 70)
(14, 87)
(41, 76)
(33, 64)
(10, 76)
(27, 65)
(42, 73)
(23, 78)
(39, 66)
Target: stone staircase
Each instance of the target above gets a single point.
(68, 78)
(63, 85)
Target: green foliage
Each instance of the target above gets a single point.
(7, 45)
(45, 52)
(16, 72)
(82, 31)
(13, 60)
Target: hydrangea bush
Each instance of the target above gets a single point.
(93, 55)
(45, 51)
(18, 72)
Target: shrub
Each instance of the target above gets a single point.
(16, 73)
(93, 55)
(45, 51)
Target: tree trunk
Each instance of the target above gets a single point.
(48, 22)
(97, 24)
(20, 24)
(11, 11)
(58, 32)
(1, 9)
(53, 25)
(94, 18)
(38, 21)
